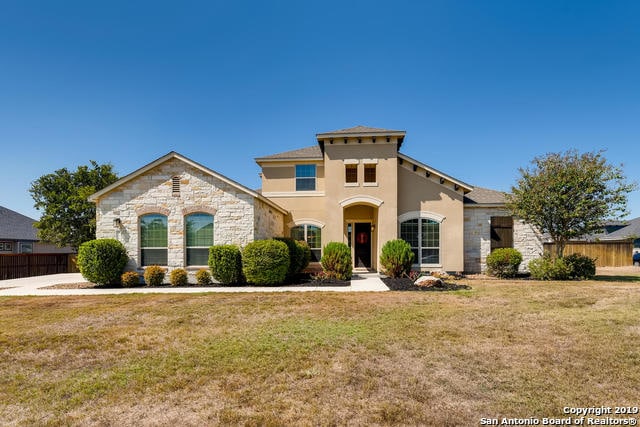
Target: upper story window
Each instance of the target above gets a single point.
(305, 177)
(351, 174)
(370, 173)
(199, 231)
(153, 239)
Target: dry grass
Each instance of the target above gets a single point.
(501, 349)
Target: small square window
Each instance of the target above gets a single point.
(370, 173)
(351, 173)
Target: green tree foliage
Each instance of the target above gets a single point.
(265, 262)
(569, 194)
(68, 217)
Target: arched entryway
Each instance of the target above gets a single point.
(360, 216)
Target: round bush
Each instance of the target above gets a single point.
(179, 277)
(582, 267)
(130, 279)
(548, 268)
(225, 262)
(265, 262)
(336, 261)
(297, 256)
(396, 258)
(101, 261)
(154, 275)
(203, 277)
(504, 262)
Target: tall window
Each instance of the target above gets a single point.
(424, 237)
(153, 239)
(350, 173)
(199, 230)
(312, 235)
(370, 173)
(305, 177)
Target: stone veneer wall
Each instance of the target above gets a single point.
(268, 221)
(477, 238)
(151, 192)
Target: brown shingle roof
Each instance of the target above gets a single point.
(484, 196)
(360, 130)
(312, 152)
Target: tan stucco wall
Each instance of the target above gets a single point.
(280, 177)
(417, 193)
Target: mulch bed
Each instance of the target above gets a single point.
(302, 280)
(406, 284)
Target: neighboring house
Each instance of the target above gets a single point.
(19, 236)
(623, 230)
(353, 186)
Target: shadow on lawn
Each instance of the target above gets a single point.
(619, 278)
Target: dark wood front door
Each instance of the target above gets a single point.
(362, 244)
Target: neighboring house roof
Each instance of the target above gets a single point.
(632, 229)
(174, 155)
(307, 153)
(485, 196)
(15, 226)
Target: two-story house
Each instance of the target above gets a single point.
(353, 186)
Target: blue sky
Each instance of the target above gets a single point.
(481, 87)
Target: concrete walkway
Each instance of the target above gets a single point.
(361, 282)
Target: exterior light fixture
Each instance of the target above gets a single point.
(457, 187)
(117, 223)
(428, 174)
(441, 180)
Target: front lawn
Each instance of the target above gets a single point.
(514, 349)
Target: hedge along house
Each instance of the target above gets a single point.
(172, 210)
(353, 186)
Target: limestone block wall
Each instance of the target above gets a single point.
(152, 192)
(268, 221)
(477, 238)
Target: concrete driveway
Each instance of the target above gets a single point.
(367, 282)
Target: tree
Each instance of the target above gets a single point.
(68, 217)
(569, 195)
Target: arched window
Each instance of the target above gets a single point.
(312, 235)
(153, 239)
(423, 235)
(199, 237)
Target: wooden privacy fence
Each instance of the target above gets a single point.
(607, 254)
(27, 265)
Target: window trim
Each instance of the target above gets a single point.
(306, 178)
(141, 248)
(420, 216)
(186, 237)
(306, 225)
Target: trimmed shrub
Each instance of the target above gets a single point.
(179, 277)
(297, 256)
(154, 275)
(265, 262)
(396, 258)
(225, 262)
(306, 253)
(548, 268)
(336, 261)
(101, 261)
(504, 262)
(203, 277)
(130, 279)
(582, 267)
